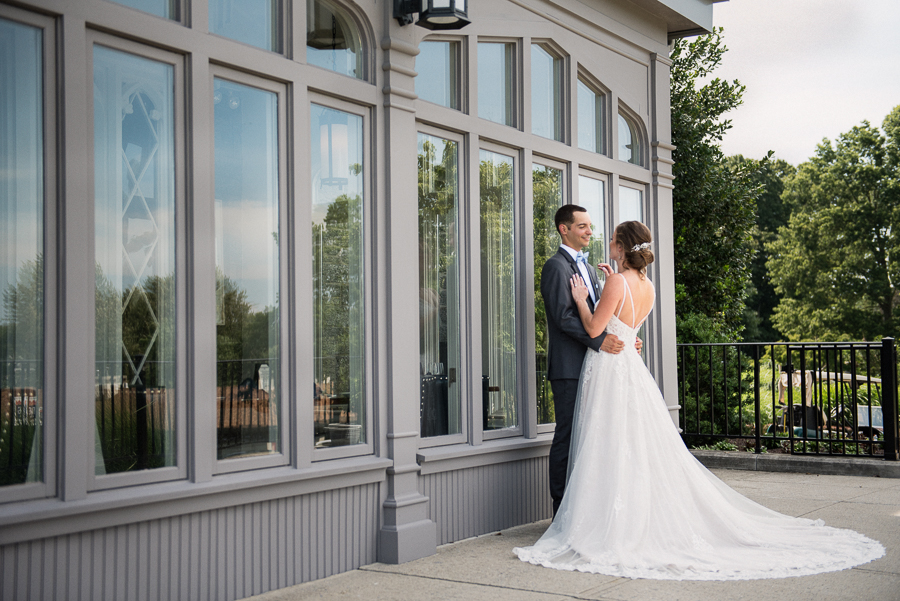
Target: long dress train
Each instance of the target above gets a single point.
(639, 505)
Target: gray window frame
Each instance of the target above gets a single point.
(180, 469)
(223, 466)
(53, 405)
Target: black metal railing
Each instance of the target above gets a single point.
(834, 398)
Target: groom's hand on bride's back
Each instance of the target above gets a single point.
(611, 344)
(638, 345)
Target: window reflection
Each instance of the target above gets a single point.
(21, 254)
(438, 286)
(591, 197)
(548, 197)
(332, 39)
(495, 82)
(498, 292)
(631, 204)
(253, 22)
(590, 119)
(438, 73)
(338, 277)
(248, 348)
(629, 142)
(134, 229)
(546, 93)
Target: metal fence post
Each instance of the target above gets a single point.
(889, 398)
(758, 425)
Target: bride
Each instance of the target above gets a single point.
(637, 503)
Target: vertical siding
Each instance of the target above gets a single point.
(217, 555)
(468, 502)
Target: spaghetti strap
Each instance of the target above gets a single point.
(630, 296)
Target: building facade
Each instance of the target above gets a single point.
(303, 242)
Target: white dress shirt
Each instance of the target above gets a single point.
(583, 270)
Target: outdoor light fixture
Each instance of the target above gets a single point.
(433, 14)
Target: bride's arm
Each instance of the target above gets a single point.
(595, 323)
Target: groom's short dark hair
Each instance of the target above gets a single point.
(566, 214)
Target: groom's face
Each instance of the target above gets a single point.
(577, 235)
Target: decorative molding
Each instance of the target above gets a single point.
(664, 145)
(394, 105)
(389, 66)
(397, 45)
(396, 435)
(665, 60)
(664, 160)
(388, 90)
(663, 175)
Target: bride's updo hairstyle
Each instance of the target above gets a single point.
(635, 238)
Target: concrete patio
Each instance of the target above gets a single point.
(484, 568)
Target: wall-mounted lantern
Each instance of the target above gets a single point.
(433, 14)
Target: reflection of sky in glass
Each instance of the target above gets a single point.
(590, 119)
(629, 144)
(495, 82)
(545, 90)
(437, 76)
(160, 8)
(253, 22)
(21, 149)
(336, 143)
(246, 167)
(590, 196)
(631, 206)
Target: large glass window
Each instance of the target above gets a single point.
(631, 204)
(546, 93)
(629, 142)
(21, 254)
(134, 240)
(498, 291)
(496, 97)
(254, 22)
(547, 184)
(590, 119)
(437, 66)
(338, 277)
(439, 286)
(167, 9)
(332, 39)
(248, 346)
(591, 197)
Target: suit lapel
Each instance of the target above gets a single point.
(573, 266)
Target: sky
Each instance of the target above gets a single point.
(813, 70)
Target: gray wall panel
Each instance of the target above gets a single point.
(472, 501)
(222, 554)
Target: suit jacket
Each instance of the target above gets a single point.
(568, 341)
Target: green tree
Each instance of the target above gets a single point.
(836, 262)
(714, 202)
(771, 213)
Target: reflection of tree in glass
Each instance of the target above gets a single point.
(547, 186)
(498, 289)
(22, 375)
(337, 293)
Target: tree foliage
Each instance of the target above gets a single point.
(714, 202)
(771, 213)
(836, 262)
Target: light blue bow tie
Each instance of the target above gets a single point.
(581, 257)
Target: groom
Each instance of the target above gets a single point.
(568, 340)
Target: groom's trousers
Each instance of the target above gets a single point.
(564, 393)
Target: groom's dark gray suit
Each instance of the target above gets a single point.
(567, 344)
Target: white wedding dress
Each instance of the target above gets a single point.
(638, 505)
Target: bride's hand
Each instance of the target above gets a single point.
(579, 290)
(606, 268)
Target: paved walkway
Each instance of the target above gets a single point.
(484, 568)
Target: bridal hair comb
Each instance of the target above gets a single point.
(638, 247)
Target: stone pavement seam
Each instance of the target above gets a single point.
(509, 588)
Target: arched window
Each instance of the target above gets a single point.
(630, 149)
(332, 39)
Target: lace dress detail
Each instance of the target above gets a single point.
(639, 505)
